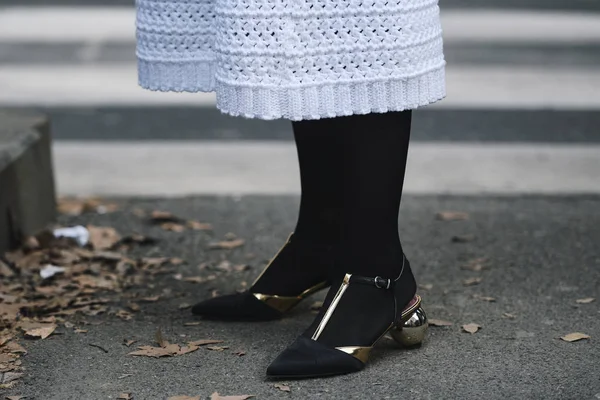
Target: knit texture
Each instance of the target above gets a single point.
(294, 59)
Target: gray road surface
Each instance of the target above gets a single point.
(543, 254)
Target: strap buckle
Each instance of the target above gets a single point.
(382, 283)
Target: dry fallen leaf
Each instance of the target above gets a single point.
(452, 216)
(239, 353)
(199, 226)
(42, 332)
(217, 396)
(195, 279)
(172, 227)
(125, 396)
(159, 339)
(282, 387)
(156, 352)
(184, 398)
(217, 348)
(128, 343)
(14, 397)
(124, 376)
(133, 306)
(150, 299)
(439, 322)
(103, 238)
(587, 300)
(472, 281)
(77, 330)
(227, 244)
(203, 342)
(471, 328)
(575, 336)
(508, 315)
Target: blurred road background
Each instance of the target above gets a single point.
(521, 114)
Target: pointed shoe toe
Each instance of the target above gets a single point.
(307, 358)
(239, 307)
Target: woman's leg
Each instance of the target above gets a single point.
(374, 149)
(359, 309)
(318, 227)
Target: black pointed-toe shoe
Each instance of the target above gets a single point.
(358, 313)
(256, 304)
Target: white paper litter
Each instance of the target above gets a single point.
(79, 233)
(51, 270)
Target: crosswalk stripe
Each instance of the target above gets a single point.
(468, 87)
(150, 168)
(67, 24)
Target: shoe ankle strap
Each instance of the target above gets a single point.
(378, 281)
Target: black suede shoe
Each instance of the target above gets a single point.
(358, 313)
(296, 272)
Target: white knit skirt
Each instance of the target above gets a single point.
(294, 59)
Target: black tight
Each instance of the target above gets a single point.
(352, 173)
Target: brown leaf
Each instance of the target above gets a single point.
(77, 330)
(203, 342)
(508, 315)
(103, 238)
(575, 336)
(199, 226)
(217, 348)
(472, 281)
(133, 306)
(217, 396)
(469, 237)
(282, 387)
(452, 216)
(150, 299)
(227, 244)
(5, 270)
(196, 323)
(125, 396)
(150, 351)
(172, 227)
(439, 322)
(242, 267)
(128, 343)
(176, 261)
(239, 353)
(187, 349)
(42, 331)
(184, 398)
(14, 397)
(15, 347)
(587, 300)
(124, 315)
(471, 328)
(159, 339)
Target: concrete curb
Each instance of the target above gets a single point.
(27, 195)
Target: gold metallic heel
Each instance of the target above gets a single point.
(412, 331)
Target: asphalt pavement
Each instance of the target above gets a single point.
(542, 256)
